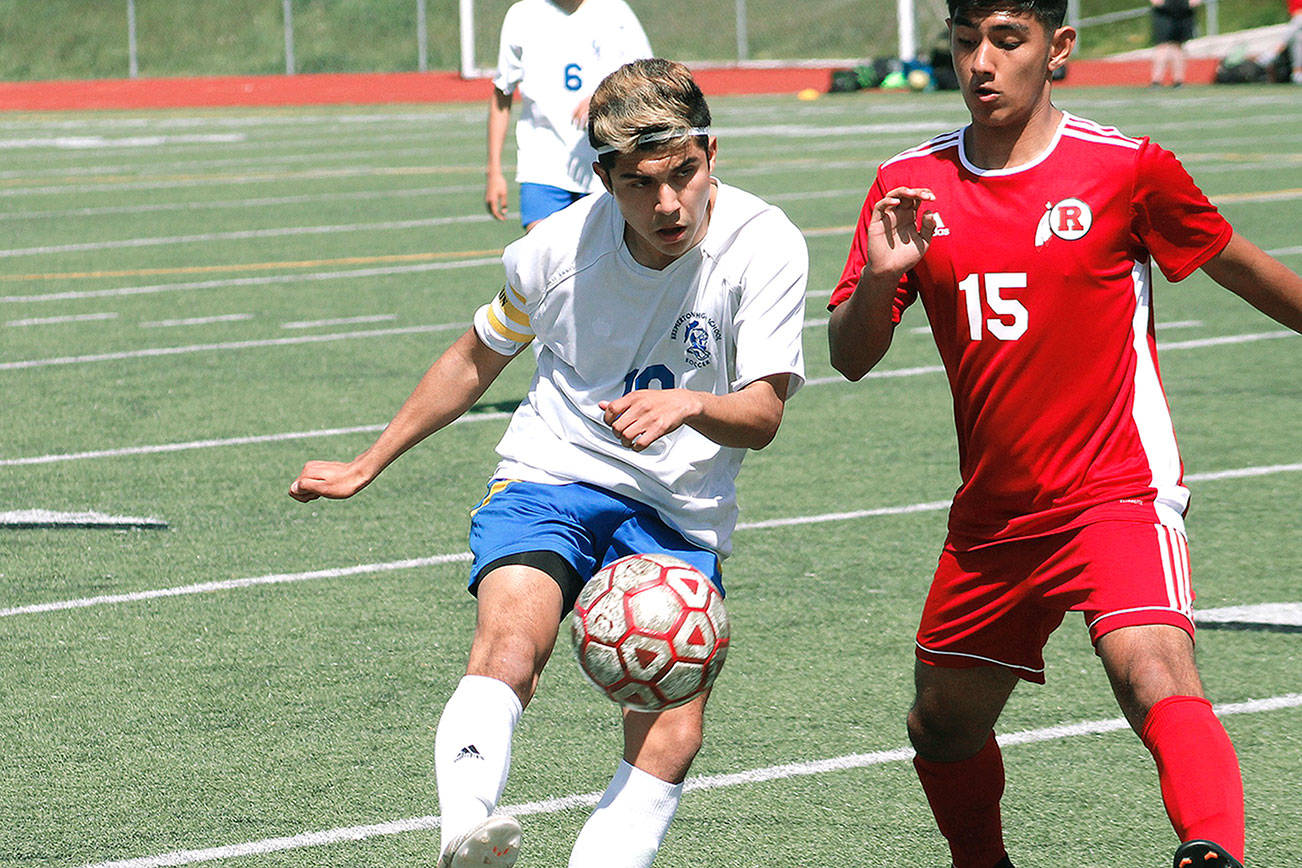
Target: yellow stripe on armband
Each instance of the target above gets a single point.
(505, 331)
(518, 299)
(513, 313)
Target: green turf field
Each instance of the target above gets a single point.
(192, 304)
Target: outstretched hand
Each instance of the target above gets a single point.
(897, 241)
(333, 479)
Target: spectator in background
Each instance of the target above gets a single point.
(1293, 39)
(1173, 26)
(555, 52)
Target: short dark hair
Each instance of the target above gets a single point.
(644, 98)
(1050, 13)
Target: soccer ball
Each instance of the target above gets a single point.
(918, 80)
(650, 631)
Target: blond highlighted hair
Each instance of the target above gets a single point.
(648, 104)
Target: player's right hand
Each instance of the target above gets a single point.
(332, 479)
(897, 240)
(495, 195)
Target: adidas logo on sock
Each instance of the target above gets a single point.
(468, 752)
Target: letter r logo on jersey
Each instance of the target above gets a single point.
(1069, 219)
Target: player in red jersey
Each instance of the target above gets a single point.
(1029, 237)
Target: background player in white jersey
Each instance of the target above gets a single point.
(1029, 237)
(667, 322)
(554, 52)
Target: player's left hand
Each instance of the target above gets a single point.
(643, 416)
(897, 238)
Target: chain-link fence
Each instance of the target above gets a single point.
(53, 39)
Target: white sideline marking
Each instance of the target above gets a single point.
(229, 345)
(244, 234)
(98, 142)
(1242, 472)
(260, 202)
(265, 280)
(693, 784)
(278, 578)
(1226, 339)
(355, 429)
(352, 320)
(1283, 614)
(1162, 346)
(73, 295)
(55, 320)
(45, 518)
(196, 320)
(226, 441)
(209, 587)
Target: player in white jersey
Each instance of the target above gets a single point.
(554, 52)
(666, 316)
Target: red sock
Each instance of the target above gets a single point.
(1198, 771)
(964, 798)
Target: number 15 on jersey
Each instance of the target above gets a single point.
(1009, 322)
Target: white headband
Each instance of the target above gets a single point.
(652, 138)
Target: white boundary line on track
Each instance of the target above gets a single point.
(693, 784)
(245, 234)
(456, 557)
(344, 274)
(356, 429)
(419, 329)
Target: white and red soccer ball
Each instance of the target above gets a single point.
(650, 631)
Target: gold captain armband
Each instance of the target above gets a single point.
(507, 318)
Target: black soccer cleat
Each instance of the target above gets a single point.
(1204, 854)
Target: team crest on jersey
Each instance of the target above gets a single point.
(696, 331)
(1069, 220)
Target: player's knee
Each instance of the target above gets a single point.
(511, 659)
(677, 737)
(944, 736)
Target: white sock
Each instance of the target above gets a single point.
(629, 823)
(472, 752)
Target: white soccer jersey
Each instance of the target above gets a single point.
(726, 313)
(557, 60)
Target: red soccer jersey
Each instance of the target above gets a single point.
(1038, 289)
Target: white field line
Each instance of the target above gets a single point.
(473, 262)
(351, 320)
(891, 373)
(196, 320)
(230, 584)
(82, 143)
(364, 569)
(694, 784)
(161, 448)
(262, 202)
(58, 320)
(245, 234)
(270, 342)
(229, 345)
(265, 280)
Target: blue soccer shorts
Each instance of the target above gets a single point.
(541, 200)
(569, 532)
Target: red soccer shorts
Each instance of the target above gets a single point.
(997, 604)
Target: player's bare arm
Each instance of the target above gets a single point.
(1259, 279)
(499, 120)
(748, 418)
(450, 387)
(860, 329)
